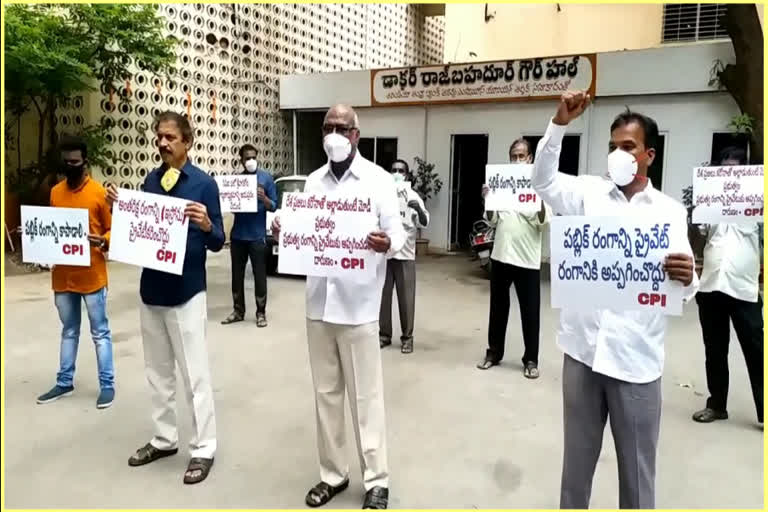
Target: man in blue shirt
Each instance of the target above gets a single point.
(249, 239)
(173, 309)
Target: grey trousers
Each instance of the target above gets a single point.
(589, 398)
(401, 274)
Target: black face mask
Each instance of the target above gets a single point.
(73, 172)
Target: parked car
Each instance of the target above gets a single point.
(285, 184)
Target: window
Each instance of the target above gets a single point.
(693, 22)
(569, 155)
(381, 150)
(722, 140)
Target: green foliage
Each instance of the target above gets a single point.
(742, 123)
(426, 182)
(56, 51)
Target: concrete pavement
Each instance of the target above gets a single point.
(458, 437)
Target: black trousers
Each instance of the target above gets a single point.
(716, 311)
(528, 290)
(240, 251)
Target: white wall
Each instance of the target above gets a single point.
(322, 90)
(687, 120)
(404, 123)
(671, 68)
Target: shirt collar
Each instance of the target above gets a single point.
(185, 169)
(354, 167)
(612, 188)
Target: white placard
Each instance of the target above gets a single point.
(510, 189)
(149, 230)
(325, 234)
(614, 263)
(238, 192)
(728, 194)
(55, 236)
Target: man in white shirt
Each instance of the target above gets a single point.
(613, 359)
(342, 323)
(401, 266)
(729, 293)
(516, 258)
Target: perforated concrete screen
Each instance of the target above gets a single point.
(229, 62)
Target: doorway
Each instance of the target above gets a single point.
(469, 155)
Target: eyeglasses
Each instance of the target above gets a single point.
(342, 129)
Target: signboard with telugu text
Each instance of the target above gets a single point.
(238, 192)
(149, 230)
(508, 80)
(55, 236)
(326, 235)
(615, 263)
(510, 189)
(728, 194)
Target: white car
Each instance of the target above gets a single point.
(285, 184)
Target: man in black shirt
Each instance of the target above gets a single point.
(173, 309)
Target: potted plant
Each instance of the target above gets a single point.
(426, 183)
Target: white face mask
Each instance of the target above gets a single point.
(251, 165)
(399, 178)
(337, 147)
(622, 167)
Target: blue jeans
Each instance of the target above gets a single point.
(68, 304)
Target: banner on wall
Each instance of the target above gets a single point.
(508, 80)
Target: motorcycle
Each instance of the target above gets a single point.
(481, 241)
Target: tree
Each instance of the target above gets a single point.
(53, 52)
(744, 78)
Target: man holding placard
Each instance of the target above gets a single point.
(516, 258)
(248, 239)
(401, 266)
(174, 310)
(342, 320)
(73, 285)
(613, 357)
(729, 292)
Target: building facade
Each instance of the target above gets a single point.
(230, 58)
(460, 126)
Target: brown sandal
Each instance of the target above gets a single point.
(149, 453)
(197, 464)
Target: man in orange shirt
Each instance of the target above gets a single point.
(71, 284)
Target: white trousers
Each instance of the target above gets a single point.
(348, 356)
(176, 336)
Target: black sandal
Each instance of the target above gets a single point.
(234, 317)
(261, 320)
(149, 453)
(486, 364)
(531, 370)
(197, 464)
(708, 415)
(322, 493)
(376, 498)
